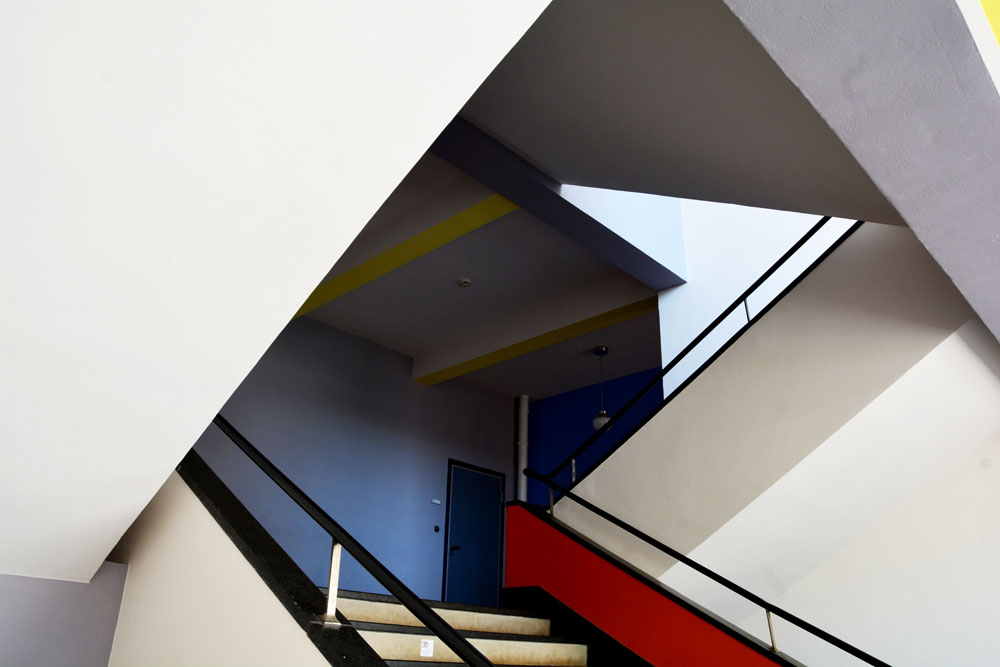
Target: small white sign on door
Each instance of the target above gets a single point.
(426, 648)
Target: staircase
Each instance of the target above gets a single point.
(504, 637)
(372, 630)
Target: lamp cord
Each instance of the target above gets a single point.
(601, 379)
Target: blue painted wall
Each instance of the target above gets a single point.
(341, 417)
(559, 424)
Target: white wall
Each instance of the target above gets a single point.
(881, 529)
(177, 179)
(926, 423)
(870, 312)
(987, 42)
(728, 248)
(651, 223)
(919, 587)
(191, 598)
(60, 623)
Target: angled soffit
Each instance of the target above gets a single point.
(673, 98)
(906, 88)
(176, 180)
(534, 290)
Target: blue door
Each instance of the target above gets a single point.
(473, 535)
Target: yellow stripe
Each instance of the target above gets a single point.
(992, 9)
(543, 340)
(470, 219)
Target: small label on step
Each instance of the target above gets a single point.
(426, 648)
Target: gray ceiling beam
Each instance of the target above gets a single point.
(496, 166)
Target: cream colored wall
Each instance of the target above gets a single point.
(922, 426)
(177, 178)
(921, 587)
(191, 598)
(863, 318)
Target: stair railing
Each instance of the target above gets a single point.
(740, 302)
(343, 540)
(769, 608)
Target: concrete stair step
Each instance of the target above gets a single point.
(412, 663)
(403, 643)
(372, 608)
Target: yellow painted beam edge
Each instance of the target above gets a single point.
(444, 232)
(992, 9)
(543, 340)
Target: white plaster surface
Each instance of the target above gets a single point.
(191, 598)
(729, 248)
(920, 586)
(982, 32)
(651, 223)
(925, 423)
(846, 333)
(177, 178)
(881, 530)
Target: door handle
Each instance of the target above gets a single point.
(453, 548)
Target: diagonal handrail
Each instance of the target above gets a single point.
(778, 264)
(687, 349)
(457, 643)
(711, 574)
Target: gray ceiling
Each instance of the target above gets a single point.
(633, 346)
(432, 191)
(665, 97)
(521, 269)
(673, 98)
(528, 279)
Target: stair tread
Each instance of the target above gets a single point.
(406, 647)
(436, 604)
(420, 663)
(469, 634)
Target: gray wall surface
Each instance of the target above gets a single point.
(51, 623)
(341, 417)
(920, 121)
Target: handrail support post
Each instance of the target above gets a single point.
(573, 470)
(344, 540)
(330, 618)
(552, 504)
(714, 576)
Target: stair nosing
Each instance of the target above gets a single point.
(436, 604)
(468, 634)
(421, 663)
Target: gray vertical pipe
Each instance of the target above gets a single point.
(522, 446)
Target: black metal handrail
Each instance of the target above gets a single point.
(460, 645)
(740, 300)
(711, 574)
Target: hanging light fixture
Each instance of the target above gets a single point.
(601, 418)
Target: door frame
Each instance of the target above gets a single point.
(452, 463)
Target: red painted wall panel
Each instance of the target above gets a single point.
(651, 625)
